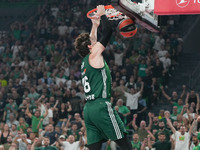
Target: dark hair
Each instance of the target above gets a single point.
(14, 125)
(46, 137)
(161, 133)
(81, 44)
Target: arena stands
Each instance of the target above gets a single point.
(42, 99)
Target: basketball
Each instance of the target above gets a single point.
(127, 28)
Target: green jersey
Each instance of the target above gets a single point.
(46, 148)
(136, 146)
(96, 82)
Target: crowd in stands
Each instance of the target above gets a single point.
(42, 99)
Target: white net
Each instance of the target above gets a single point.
(114, 14)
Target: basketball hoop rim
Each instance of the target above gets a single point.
(106, 7)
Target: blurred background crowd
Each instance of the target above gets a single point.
(42, 99)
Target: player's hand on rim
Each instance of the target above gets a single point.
(96, 20)
(100, 10)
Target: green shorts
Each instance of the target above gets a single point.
(102, 122)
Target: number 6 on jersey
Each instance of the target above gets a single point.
(86, 84)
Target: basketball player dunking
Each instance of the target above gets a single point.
(102, 122)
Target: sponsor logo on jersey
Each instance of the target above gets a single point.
(84, 71)
(82, 65)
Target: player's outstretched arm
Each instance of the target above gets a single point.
(93, 33)
(106, 32)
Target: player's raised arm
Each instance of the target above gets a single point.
(93, 33)
(106, 32)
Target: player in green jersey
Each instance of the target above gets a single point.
(101, 120)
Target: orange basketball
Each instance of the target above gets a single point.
(127, 28)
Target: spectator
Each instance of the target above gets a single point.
(32, 136)
(33, 95)
(12, 120)
(166, 61)
(46, 145)
(188, 112)
(13, 130)
(162, 129)
(159, 42)
(7, 145)
(181, 137)
(162, 52)
(78, 121)
(133, 98)
(155, 125)
(195, 142)
(11, 107)
(162, 143)
(62, 29)
(174, 97)
(161, 114)
(179, 105)
(63, 112)
(174, 113)
(191, 97)
(16, 30)
(22, 125)
(142, 130)
(136, 144)
(142, 68)
(75, 103)
(158, 70)
(22, 141)
(46, 79)
(51, 134)
(123, 109)
(49, 118)
(4, 134)
(118, 93)
(3, 82)
(70, 144)
(118, 57)
(36, 119)
(22, 107)
(81, 94)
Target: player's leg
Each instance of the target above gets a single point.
(119, 134)
(95, 146)
(107, 121)
(94, 138)
(124, 143)
(104, 123)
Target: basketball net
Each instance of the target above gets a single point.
(114, 14)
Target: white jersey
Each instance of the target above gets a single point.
(132, 100)
(73, 146)
(182, 141)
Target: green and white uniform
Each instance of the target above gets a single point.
(102, 122)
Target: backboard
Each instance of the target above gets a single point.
(141, 13)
